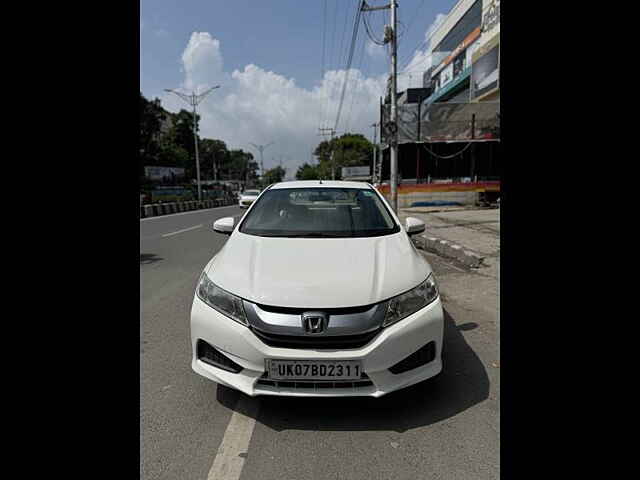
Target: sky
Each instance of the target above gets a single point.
(281, 67)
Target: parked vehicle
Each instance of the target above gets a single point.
(319, 291)
(247, 198)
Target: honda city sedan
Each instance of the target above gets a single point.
(318, 291)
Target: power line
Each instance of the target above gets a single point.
(354, 38)
(338, 61)
(414, 16)
(370, 34)
(355, 98)
(447, 156)
(327, 93)
(322, 70)
(422, 44)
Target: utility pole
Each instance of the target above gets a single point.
(394, 108)
(391, 37)
(261, 149)
(330, 131)
(194, 100)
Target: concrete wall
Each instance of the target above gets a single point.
(408, 199)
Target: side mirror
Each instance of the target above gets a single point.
(414, 226)
(224, 225)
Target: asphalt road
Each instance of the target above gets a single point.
(447, 429)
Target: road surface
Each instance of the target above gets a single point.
(191, 429)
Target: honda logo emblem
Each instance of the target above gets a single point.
(314, 322)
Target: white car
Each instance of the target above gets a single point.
(319, 291)
(247, 198)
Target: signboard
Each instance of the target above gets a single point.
(491, 17)
(355, 171)
(163, 173)
(486, 70)
(446, 76)
(472, 37)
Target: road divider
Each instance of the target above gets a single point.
(158, 209)
(448, 249)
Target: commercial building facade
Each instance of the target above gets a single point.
(449, 130)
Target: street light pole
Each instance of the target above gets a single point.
(194, 100)
(261, 149)
(375, 153)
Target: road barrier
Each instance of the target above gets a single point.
(158, 209)
(448, 249)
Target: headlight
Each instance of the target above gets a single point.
(404, 305)
(220, 300)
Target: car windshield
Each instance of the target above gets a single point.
(319, 213)
(252, 192)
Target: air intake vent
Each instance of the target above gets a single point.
(316, 384)
(423, 356)
(210, 355)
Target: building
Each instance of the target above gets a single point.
(449, 130)
(485, 80)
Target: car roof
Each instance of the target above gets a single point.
(322, 184)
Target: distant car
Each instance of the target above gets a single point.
(247, 198)
(319, 291)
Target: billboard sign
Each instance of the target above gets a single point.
(446, 76)
(163, 173)
(485, 71)
(491, 17)
(355, 171)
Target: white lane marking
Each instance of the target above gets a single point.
(185, 213)
(181, 231)
(229, 462)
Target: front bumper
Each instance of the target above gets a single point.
(392, 345)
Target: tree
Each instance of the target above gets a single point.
(172, 145)
(181, 133)
(307, 172)
(210, 152)
(349, 150)
(273, 175)
(152, 115)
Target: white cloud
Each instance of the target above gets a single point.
(422, 59)
(257, 105)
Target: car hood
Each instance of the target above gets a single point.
(318, 273)
(248, 197)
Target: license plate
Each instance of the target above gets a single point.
(314, 369)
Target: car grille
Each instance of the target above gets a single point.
(364, 381)
(328, 311)
(334, 342)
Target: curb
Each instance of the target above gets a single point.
(159, 209)
(448, 249)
